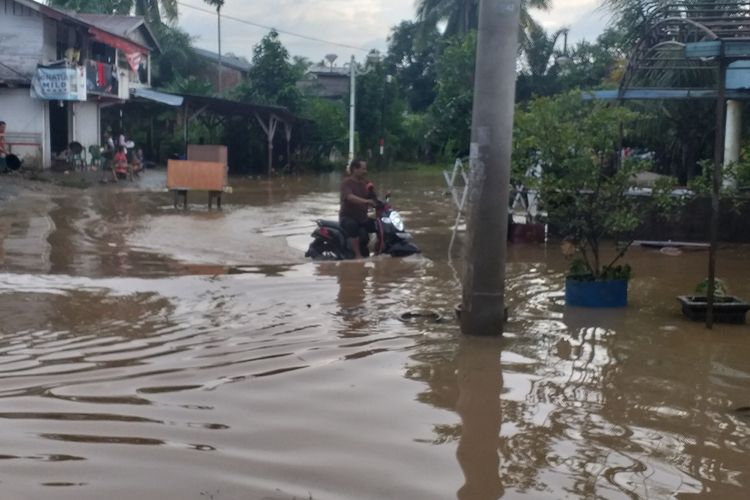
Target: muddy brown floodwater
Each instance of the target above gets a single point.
(151, 353)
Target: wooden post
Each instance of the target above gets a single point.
(270, 131)
(715, 189)
(185, 128)
(288, 134)
(177, 193)
(217, 196)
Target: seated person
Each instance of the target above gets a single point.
(137, 163)
(357, 195)
(120, 168)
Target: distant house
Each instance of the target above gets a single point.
(234, 69)
(323, 81)
(59, 68)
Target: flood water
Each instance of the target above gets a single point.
(151, 353)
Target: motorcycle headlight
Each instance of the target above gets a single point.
(397, 221)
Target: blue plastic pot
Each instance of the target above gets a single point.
(612, 293)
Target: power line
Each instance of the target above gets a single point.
(290, 33)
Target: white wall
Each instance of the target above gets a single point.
(86, 123)
(27, 122)
(21, 39)
(49, 48)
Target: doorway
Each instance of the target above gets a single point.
(58, 126)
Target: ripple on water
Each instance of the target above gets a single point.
(298, 380)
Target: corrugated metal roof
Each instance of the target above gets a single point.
(227, 60)
(123, 26)
(155, 95)
(117, 25)
(235, 108)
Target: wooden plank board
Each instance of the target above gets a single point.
(199, 175)
(207, 152)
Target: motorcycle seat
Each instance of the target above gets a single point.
(334, 224)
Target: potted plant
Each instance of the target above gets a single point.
(587, 191)
(727, 308)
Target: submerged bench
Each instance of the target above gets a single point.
(190, 175)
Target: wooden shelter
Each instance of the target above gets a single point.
(269, 117)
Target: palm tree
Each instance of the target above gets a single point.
(153, 10)
(539, 75)
(540, 52)
(461, 16)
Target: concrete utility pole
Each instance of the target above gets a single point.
(491, 145)
(218, 24)
(352, 93)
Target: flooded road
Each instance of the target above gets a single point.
(151, 353)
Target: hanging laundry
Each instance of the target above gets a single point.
(101, 79)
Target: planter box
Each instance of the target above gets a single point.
(727, 309)
(526, 233)
(613, 293)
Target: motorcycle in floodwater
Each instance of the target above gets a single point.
(330, 242)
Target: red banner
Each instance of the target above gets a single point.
(133, 51)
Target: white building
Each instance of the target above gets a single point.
(59, 68)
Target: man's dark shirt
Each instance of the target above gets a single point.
(356, 211)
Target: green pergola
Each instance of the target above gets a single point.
(710, 40)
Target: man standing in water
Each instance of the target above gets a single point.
(357, 195)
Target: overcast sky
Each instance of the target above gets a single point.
(352, 23)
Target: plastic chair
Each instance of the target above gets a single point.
(96, 156)
(77, 157)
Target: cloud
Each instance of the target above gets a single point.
(586, 19)
(354, 23)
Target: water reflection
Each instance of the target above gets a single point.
(480, 384)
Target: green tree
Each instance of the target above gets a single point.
(326, 127)
(122, 7)
(598, 64)
(450, 114)
(539, 75)
(157, 10)
(219, 4)
(190, 85)
(272, 78)
(153, 10)
(379, 111)
(177, 59)
(462, 16)
(582, 187)
(411, 60)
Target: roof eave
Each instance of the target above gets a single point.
(60, 15)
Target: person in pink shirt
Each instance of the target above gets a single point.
(120, 169)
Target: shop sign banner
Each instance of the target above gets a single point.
(59, 84)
